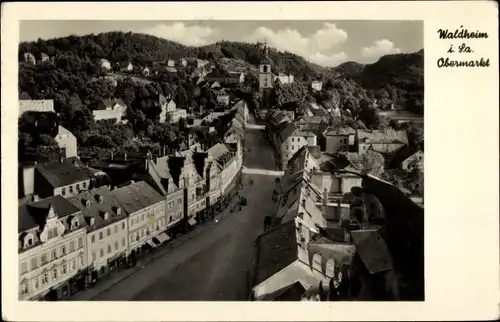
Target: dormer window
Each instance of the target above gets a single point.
(118, 210)
(106, 216)
(74, 223)
(92, 221)
(28, 240)
(99, 198)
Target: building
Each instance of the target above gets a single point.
(146, 71)
(127, 68)
(67, 142)
(38, 106)
(317, 85)
(146, 216)
(341, 139)
(284, 78)
(165, 174)
(29, 58)
(107, 230)
(171, 63)
(266, 80)
(112, 109)
(105, 64)
(225, 78)
(167, 106)
(407, 158)
(66, 178)
(382, 141)
(52, 249)
(183, 62)
(287, 137)
(221, 96)
(44, 58)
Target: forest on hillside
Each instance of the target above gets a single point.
(77, 84)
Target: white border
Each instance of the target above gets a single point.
(461, 129)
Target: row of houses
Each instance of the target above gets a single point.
(77, 229)
(288, 137)
(315, 237)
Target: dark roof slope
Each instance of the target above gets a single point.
(33, 215)
(277, 248)
(372, 250)
(64, 173)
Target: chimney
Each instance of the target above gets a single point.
(164, 150)
(125, 156)
(112, 155)
(325, 195)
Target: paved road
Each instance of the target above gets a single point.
(258, 152)
(212, 266)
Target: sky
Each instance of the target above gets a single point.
(327, 43)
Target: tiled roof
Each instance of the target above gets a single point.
(217, 150)
(64, 173)
(33, 215)
(315, 119)
(319, 112)
(137, 196)
(372, 250)
(383, 136)
(343, 130)
(45, 106)
(287, 131)
(277, 248)
(96, 209)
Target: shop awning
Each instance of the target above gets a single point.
(192, 221)
(163, 237)
(151, 243)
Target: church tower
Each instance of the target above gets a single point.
(265, 77)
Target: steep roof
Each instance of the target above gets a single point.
(287, 131)
(277, 248)
(108, 103)
(342, 130)
(34, 215)
(64, 173)
(372, 250)
(383, 136)
(137, 196)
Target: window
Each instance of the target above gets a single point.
(70, 189)
(102, 252)
(54, 232)
(72, 246)
(293, 147)
(63, 250)
(292, 139)
(108, 232)
(24, 268)
(49, 234)
(44, 259)
(109, 249)
(116, 245)
(35, 283)
(45, 278)
(63, 191)
(73, 264)
(92, 239)
(24, 288)
(287, 147)
(28, 241)
(53, 255)
(81, 261)
(54, 273)
(265, 68)
(123, 226)
(77, 187)
(100, 235)
(116, 229)
(93, 257)
(84, 185)
(123, 242)
(80, 242)
(63, 269)
(34, 263)
(75, 223)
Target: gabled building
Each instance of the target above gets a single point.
(66, 178)
(111, 109)
(67, 142)
(52, 249)
(107, 230)
(29, 58)
(105, 64)
(317, 85)
(406, 158)
(225, 78)
(382, 141)
(221, 96)
(38, 106)
(341, 139)
(284, 78)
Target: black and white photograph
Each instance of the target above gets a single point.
(221, 160)
(196, 161)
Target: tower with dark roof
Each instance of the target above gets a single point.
(265, 77)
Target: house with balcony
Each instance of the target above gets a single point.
(52, 249)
